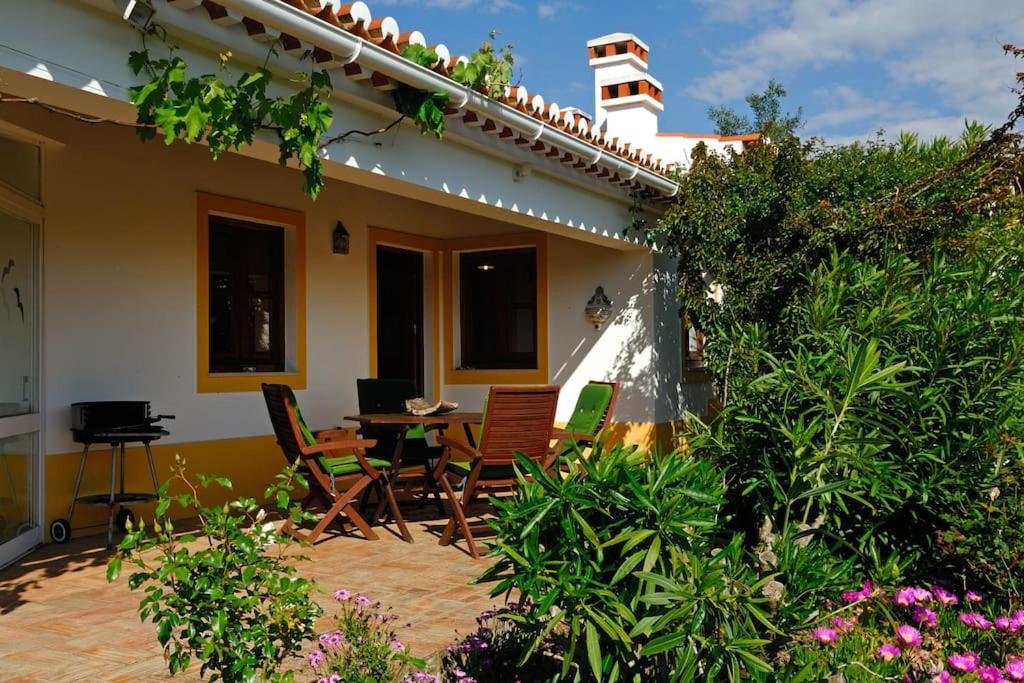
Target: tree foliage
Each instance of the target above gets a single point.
(768, 117)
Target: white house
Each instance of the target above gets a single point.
(117, 254)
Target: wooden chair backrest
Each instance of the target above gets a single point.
(279, 398)
(518, 419)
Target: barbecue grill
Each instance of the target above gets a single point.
(114, 423)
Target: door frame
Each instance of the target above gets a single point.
(431, 250)
(31, 210)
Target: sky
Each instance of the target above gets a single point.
(855, 66)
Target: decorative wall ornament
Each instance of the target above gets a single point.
(340, 241)
(599, 308)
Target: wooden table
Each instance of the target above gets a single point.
(401, 422)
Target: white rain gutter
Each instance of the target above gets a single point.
(349, 48)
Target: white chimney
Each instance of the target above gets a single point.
(627, 100)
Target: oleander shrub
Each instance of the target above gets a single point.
(626, 563)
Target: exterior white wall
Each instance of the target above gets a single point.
(678, 149)
(120, 288)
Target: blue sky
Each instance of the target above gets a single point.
(854, 66)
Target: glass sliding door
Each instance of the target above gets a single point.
(20, 420)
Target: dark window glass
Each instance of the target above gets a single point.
(498, 304)
(246, 296)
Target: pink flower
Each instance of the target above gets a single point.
(1017, 620)
(863, 594)
(922, 595)
(333, 678)
(825, 636)
(990, 674)
(908, 635)
(342, 595)
(973, 597)
(888, 652)
(975, 621)
(925, 616)
(1015, 669)
(904, 597)
(397, 646)
(1004, 623)
(940, 677)
(844, 624)
(964, 663)
(362, 600)
(316, 658)
(945, 598)
(332, 641)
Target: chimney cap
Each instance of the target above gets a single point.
(617, 38)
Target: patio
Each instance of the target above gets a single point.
(61, 620)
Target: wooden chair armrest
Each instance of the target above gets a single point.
(357, 446)
(335, 433)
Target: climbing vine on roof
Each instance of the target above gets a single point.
(226, 112)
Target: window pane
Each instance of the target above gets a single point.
(498, 301)
(20, 166)
(246, 296)
(17, 475)
(17, 317)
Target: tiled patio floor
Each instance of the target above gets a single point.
(61, 621)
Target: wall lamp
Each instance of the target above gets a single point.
(138, 13)
(598, 309)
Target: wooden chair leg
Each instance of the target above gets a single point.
(396, 513)
(343, 505)
(458, 517)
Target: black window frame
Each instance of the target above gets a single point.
(496, 311)
(243, 357)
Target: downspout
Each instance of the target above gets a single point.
(350, 48)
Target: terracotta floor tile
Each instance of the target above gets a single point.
(61, 620)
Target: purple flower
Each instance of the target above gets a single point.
(975, 621)
(964, 663)
(908, 635)
(1017, 620)
(316, 659)
(863, 594)
(888, 652)
(844, 624)
(362, 600)
(926, 617)
(973, 596)
(342, 595)
(1004, 623)
(1015, 669)
(397, 646)
(940, 677)
(990, 674)
(945, 598)
(332, 641)
(825, 636)
(922, 595)
(333, 678)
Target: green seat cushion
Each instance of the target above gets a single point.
(590, 408)
(416, 432)
(348, 464)
(489, 471)
(307, 433)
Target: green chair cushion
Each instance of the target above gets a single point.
(307, 433)
(348, 464)
(462, 468)
(590, 407)
(415, 432)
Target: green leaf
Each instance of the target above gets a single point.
(113, 568)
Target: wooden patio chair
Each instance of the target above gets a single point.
(336, 466)
(594, 410)
(516, 420)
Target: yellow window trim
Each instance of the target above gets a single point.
(538, 375)
(210, 383)
(427, 245)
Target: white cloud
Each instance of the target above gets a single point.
(931, 41)
(546, 10)
(492, 6)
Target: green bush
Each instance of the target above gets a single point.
(625, 561)
(232, 599)
(893, 414)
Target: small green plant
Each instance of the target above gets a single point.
(363, 647)
(229, 596)
(625, 561)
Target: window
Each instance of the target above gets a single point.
(247, 316)
(498, 309)
(693, 363)
(250, 295)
